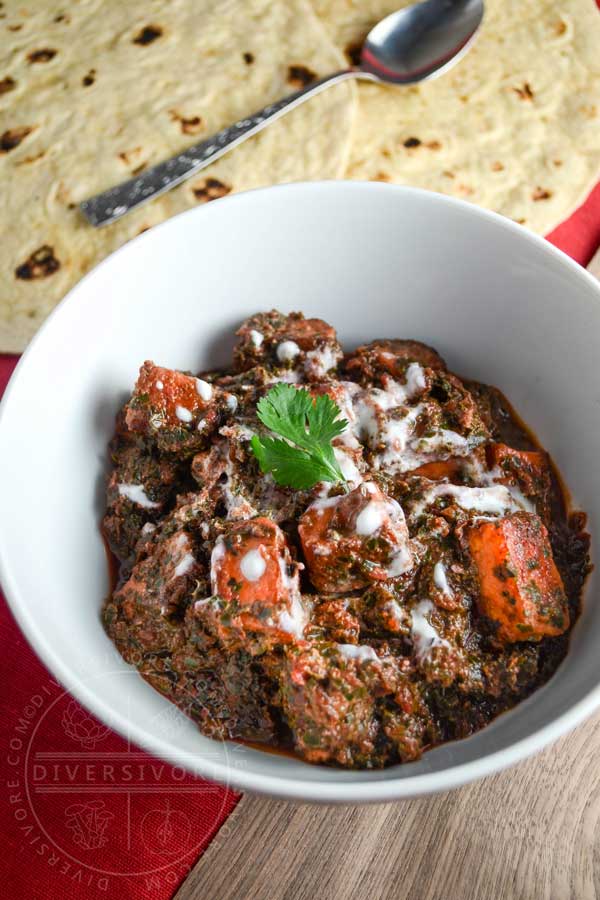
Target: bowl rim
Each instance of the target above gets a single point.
(284, 786)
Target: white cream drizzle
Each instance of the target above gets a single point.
(218, 552)
(256, 337)
(370, 405)
(323, 503)
(368, 521)
(137, 494)
(440, 579)
(423, 634)
(346, 462)
(253, 565)
(319, 362)
(496, 475)
(397, 394)
(205, 390)
(396, 435)
(400, 562)
(496, 500)
(184, 566)
(370, 518)
(361, 653)
(285, 376)
(287, 351)
(295, 620)
(290, 582)
(366, 423)
(183, 414)
(415, 380)
(237, 506)
(342, 397)
(446, 440)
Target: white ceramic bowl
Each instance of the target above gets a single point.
(376, 261)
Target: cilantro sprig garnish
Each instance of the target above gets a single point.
(303, 454)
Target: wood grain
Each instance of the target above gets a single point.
(531, 833)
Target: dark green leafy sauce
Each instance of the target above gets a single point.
(325, 653)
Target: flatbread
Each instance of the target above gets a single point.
(91, 92)
(514, 127)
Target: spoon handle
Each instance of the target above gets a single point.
(119, 200)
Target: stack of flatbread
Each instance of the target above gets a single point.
(94, 91)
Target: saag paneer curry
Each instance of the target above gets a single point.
(363, 620)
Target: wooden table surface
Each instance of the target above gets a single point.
(530, 833)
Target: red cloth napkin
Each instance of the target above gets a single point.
(579, 236)
(84, 814)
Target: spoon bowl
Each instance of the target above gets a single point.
(421, 41)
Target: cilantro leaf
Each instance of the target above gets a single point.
(307, 425)
(289, 466)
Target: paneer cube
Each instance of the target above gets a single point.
(529, 470)
(521, 589)
(176, 411)
(328, 705)
(330, 700)
(308, 347)
(249, 564)
(256, 599)
(140, 486)
(159, 584)
(354, 539)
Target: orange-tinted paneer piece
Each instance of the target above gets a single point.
(256, 583)
(530, 469)
(439, 469)
(176, 410)
(248, 564)
(309, 332)
(353, 539)
(533, 462)
(520, 587)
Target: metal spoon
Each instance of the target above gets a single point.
(413, 44)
